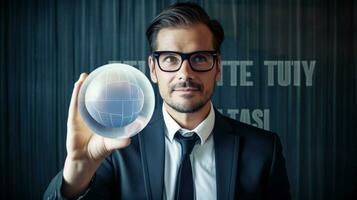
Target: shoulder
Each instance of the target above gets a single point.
(241, 128)
(249, 134)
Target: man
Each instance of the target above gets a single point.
(188, 150)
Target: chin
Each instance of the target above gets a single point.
(186, 108)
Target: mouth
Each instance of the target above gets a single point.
(187, 89)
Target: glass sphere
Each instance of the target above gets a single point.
(116, 101)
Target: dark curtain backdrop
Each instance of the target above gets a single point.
(45, 45)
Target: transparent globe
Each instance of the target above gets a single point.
(116, 101)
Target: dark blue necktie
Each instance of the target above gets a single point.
(184, 182)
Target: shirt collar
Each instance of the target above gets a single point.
(203, 129)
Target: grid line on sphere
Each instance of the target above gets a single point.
(134, 109)
(135, 100)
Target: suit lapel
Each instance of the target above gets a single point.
(226, 152)
(152, 143)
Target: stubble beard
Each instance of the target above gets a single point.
(188, 107)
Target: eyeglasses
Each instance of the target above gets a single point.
(171, 61)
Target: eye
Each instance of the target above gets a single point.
(170, 59)
(199, 58)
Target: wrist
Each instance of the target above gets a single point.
(77, 175)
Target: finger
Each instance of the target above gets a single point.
(134, 127)
(73, 106)
(112, 144)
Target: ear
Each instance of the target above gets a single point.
(151, 62)
(218, 69)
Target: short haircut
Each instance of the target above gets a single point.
(180, 15)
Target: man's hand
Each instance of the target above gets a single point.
(85, 150)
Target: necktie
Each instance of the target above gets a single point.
(184, 182)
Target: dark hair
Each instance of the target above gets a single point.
(183, 14)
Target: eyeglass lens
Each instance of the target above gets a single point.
(199, 61)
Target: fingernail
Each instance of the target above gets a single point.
(82, 76)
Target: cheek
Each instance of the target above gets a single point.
(163, 81)
(210, 83)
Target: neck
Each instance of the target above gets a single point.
(189, 120)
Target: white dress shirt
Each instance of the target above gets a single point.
(202, 158)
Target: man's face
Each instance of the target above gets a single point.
(185, 90)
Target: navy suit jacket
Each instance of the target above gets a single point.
(249, 165)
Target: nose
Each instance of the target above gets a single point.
(185, 71)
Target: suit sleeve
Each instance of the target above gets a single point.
(53, 190)
(100, 187)
(278, 184)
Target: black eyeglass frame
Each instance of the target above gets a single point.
(185, 56)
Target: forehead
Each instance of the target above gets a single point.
(185, 38)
